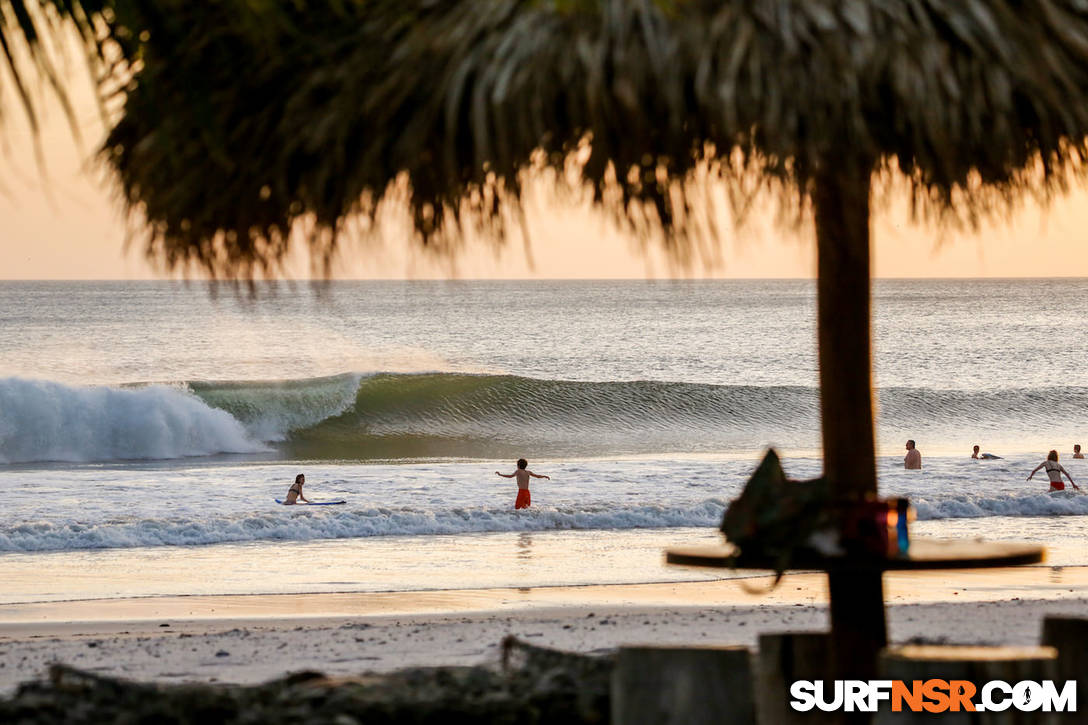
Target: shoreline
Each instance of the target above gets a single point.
(252, 638)
(1039, 581)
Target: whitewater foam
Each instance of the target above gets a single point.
(48, 421)
(971, 506)
(302, 524)
(271, 410)
(307, 525)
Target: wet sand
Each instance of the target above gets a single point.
(247, 639)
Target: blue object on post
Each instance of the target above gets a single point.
(901, 507)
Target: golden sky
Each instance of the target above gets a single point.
(66, 224)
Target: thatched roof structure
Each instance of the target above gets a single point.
(460, 96)
(241, 118)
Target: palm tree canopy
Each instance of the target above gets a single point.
(240, 118)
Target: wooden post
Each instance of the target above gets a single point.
(1069, 636)
(979, 665)
(841, 201)
(783, 659)
(682, 686)
(858, 624)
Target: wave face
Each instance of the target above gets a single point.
(487, 416)
(270, 411)
(46, 421)
(395, 416)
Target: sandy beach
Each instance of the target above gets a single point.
(249, 639)
(419, 249)
(142, 539)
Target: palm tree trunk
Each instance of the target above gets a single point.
(841, 199)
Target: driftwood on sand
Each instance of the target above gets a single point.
(536, 685)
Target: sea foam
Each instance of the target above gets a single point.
(277, 523)
(302, 524)
(49, 421)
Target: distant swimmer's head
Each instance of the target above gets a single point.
(910, 445)
(975, 449)
(300, 478)
(523, 464)
(1052, 456)
(1076, 448)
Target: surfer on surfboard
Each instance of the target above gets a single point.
(984, 456)
(1054, 471)
(294, 495)
(295, 492)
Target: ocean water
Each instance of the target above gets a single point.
(145, 428)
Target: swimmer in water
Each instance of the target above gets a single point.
(294, 494)
(522, 474)
(984, 456)
(913, 459)
(1054, 471)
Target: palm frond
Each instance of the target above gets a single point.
(31, 33)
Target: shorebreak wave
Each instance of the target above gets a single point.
(302, 524)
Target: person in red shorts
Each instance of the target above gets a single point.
(522, 474)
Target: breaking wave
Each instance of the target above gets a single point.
(303, 524)
(435, 415)
(965, 506)
(46, 421)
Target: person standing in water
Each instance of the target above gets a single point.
(1076, 451)
(522, 474)
(913, 459)
(294, 493)
(1054, 471)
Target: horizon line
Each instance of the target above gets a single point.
(328, 280)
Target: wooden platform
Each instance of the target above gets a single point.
(859, 628)
(924, 554)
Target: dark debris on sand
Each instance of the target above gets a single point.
(536, 686)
